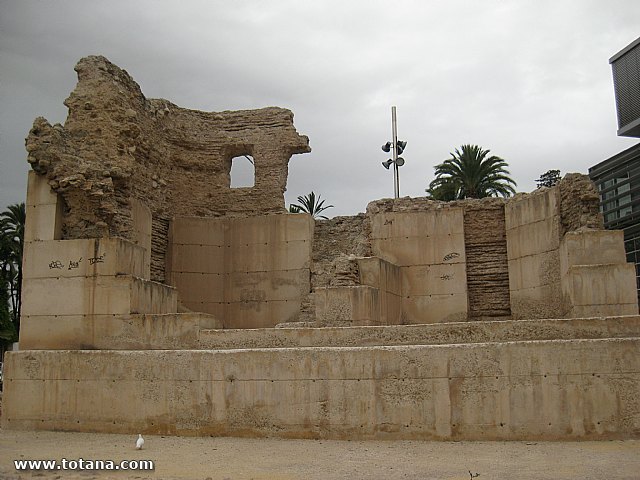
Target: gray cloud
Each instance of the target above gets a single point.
(530, 79)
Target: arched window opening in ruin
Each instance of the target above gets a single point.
(242, 172)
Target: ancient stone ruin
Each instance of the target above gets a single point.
(158, 299)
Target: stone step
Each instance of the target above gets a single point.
(426, 334)
(116, 332)
(533, 390)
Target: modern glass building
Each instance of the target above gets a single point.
(618, 178)
(618, 181)
(625, 66)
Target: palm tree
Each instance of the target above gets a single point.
(7, 328)
(12, 223)
(311, 205)
(471, 173)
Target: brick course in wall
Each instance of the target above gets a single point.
(486, 252)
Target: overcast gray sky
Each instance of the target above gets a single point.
(529, 80)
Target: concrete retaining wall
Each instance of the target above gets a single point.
(251, 272)
(429, 248)
(577, 389)
(533, 239)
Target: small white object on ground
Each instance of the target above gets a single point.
(139, 442)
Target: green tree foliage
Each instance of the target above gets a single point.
(310, 204)
(471, 173)
(8, 332)
(12, 223)
(549, 178)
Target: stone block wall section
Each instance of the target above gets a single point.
(533, 234)
(73, 288)
(596, 280)
(43, 209)
(561, 261)
(116, 145)
(77, 290)
(429, 249)
(372, 297)
(545, 390)
(250, 272)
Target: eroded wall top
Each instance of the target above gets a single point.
(117, 145)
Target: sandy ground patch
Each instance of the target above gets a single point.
(262, 459)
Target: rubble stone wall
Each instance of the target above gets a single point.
(579, 204)
(335, 241)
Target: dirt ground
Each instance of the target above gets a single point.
(262, 459)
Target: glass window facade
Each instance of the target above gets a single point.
(618, 181)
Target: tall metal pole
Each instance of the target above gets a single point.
(394, 131)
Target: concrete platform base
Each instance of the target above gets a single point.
(559, 389)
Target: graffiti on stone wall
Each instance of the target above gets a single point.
(74, 264)
(99, 259)
(450, 256)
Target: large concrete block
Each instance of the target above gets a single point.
(612, 284)
(386, 277)
(38, 191)
(83, 258)
(76, 296)
(114, 332)
(116, 295)
(259, 259)
(381, 274)
(141, 217)
(270, 229)
(531, 208)
(425, 250)
(261, 286)
(533, 238)
(199, 287)
(358, 305)
(440, 279)
(153, 297)
(185, 258)
(213, 308)
(591, 247)
(390, 309)
(43, 222)
(264, 257)
(417, 224)
(534, 270)
(435, 308)
(544, 301)
(197, 231)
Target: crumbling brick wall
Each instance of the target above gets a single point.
(116, 145)
(486, 252)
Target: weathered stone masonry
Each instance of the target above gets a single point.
(116, 145)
